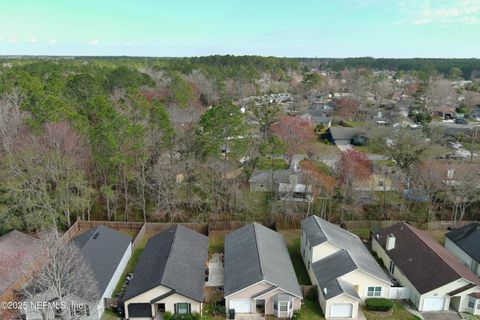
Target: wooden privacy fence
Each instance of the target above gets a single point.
(308, 290)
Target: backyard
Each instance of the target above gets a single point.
(292, 239)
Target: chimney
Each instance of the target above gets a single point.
(390, 244)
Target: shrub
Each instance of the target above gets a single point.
(168, 315)
(378, 304)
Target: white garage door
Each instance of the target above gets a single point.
(341, 310)
(240, 306)
(433, 304)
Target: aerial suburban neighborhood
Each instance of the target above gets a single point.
(240, 160)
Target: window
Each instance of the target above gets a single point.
(391, 267)
(303, 253)
(471, 302)
(308, 267)
(283, 306)
(374, 292)
(275, 307)
(183, 308)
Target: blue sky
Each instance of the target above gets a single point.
(292, 28)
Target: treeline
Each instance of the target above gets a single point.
(124, 138)
(470, 67)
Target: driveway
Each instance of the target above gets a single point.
(441, 315)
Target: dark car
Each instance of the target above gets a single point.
(461, 121)
(359, 141)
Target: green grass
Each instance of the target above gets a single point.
(363, 233)
(271, 163)
(109, 315)
(310, 310)
(131, 264)
(215, 241)
(398, 313)
(292, 239)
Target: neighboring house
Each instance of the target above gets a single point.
(318, 117)
(342, 267)
(287, 183)
(268, 180)
(107, 252)
(259, 275)
(344, 136)
(435, 278)
(169, 276)
(17, 252)
(464, 243)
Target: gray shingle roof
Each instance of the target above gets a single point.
(354, 255)
(103, 248)
(345, 133)
(255, 253)
(174, 258)
(265, 176)
(467, 238)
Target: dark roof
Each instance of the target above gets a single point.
(345, 133)
(425, 263)
(174, 258)
(467, 238)
(17, 250)
(255, 253)
(103, 248)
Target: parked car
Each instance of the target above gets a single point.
(461, 121)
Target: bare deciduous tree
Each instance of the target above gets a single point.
(10, 120)
(65, 279)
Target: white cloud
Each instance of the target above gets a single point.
(93, 42)
(440, 12)
(52, 41)
(33, 40)
(12, 40)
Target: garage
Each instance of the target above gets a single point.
(241, 306)
(433, 304)
(139, 310)
(341, 310)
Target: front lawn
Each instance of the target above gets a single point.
(292, 239)
(398, 313)
(109, 315)
(310, 310)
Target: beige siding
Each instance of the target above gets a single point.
(169, 301)
(361, 281)
(254, 290)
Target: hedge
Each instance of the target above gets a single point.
(378, 304)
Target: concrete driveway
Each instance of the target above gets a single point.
(441, 315)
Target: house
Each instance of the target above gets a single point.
(318, 117)
(259, 275)
(342, 267)
(17, 252)
(169, 276)
(344, 136)
(375, 183)
(464, 243)
(107, 252)
(268, 180)
(435, 278)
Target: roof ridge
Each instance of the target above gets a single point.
(175, 230)
(258, 250)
